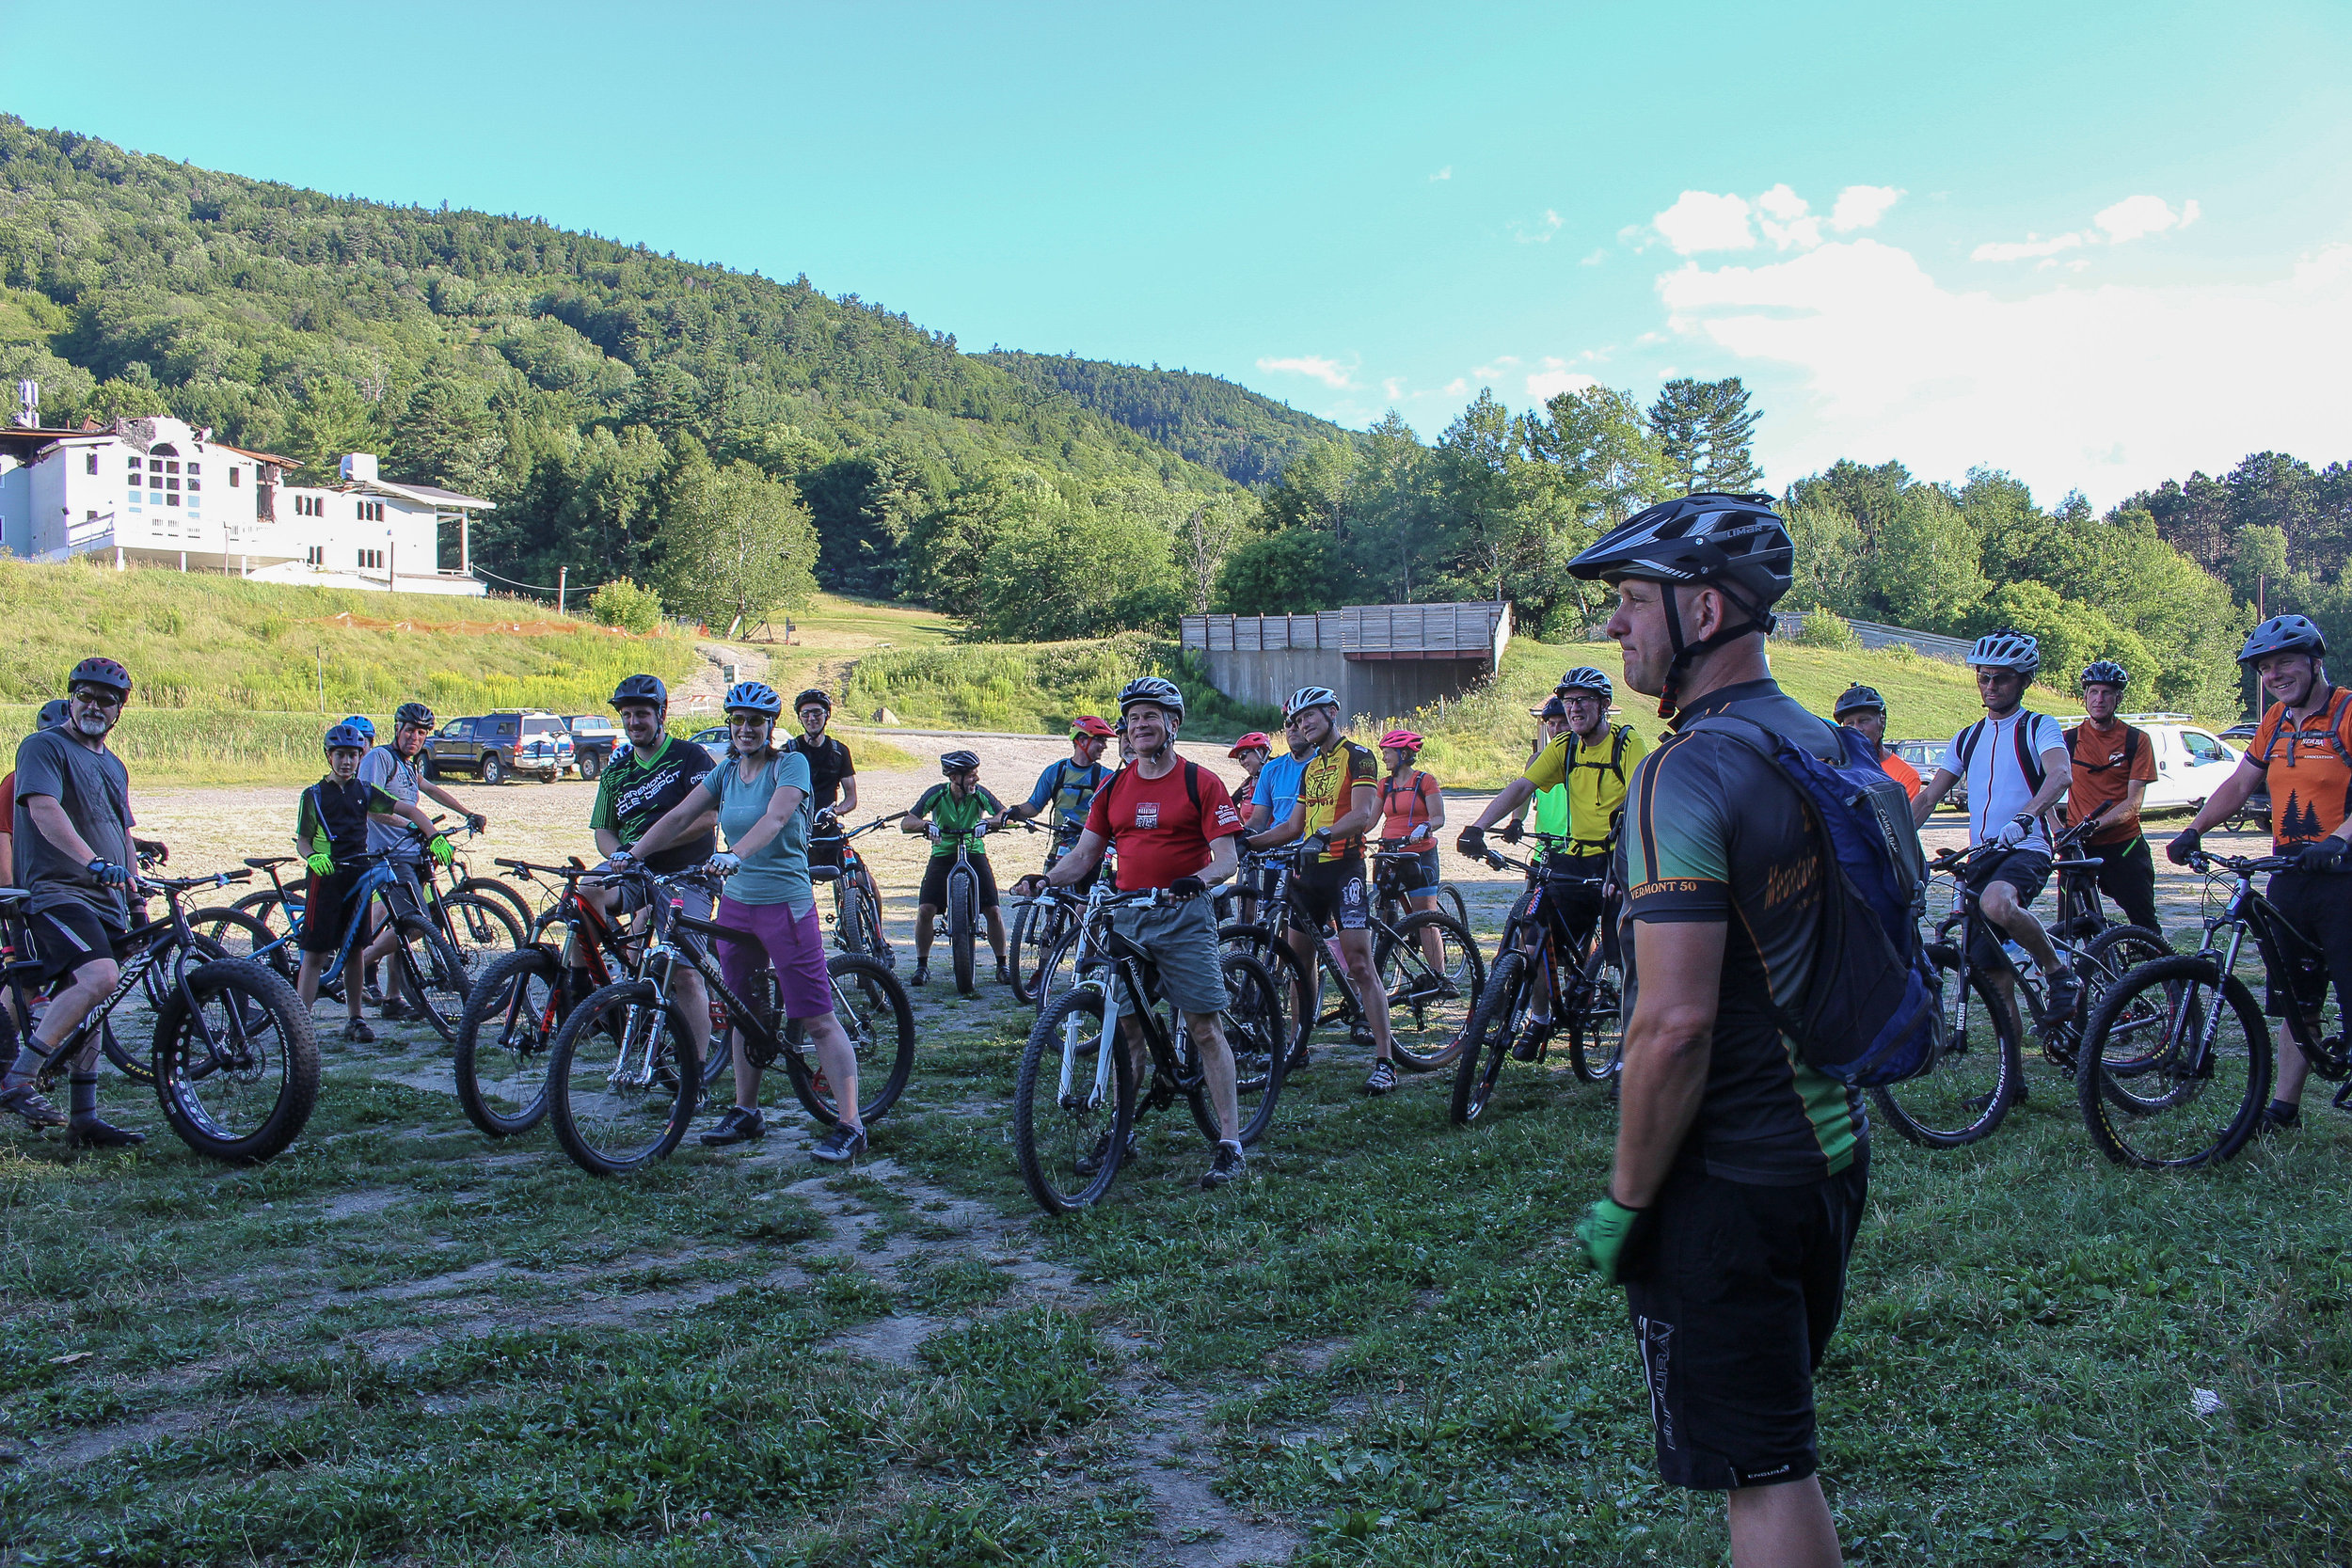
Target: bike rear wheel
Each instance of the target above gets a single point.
(1258, 1035)
(2155, 1094)
(1967, 1091)
(1029, 946)
(1487, 1043)
(1597, 1028)
(504, 1038)
(1430, 1004)
(963, 898)
(237, 1065)
(1055, 1131)
(233, 933)
(616, 1096)
(493, 890)
(873, 1010)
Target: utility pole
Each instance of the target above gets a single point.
(563, 575)
(322, 658)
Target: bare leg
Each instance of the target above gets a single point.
(926, 915)
(1355, 947)
(1217, 1070)
(1999, 904)
(1787, 1526)
(996, 935)
(839, 1063)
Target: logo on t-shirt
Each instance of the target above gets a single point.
(1147, 814)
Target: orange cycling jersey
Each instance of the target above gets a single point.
(1327, 790)
(2308, 766)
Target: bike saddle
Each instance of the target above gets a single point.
(263, 863)
(824, 873)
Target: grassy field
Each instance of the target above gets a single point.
(1036, 687)
(401, 1343)
(196, 641)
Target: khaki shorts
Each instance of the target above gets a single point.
(1182, 940)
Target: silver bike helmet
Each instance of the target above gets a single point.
(2006, 649)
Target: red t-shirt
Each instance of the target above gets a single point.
(1159, 834)
(8, 804)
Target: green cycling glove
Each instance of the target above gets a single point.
(322, 862)
(1603, 1233)
(441, 849)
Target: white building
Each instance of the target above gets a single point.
(154, 492)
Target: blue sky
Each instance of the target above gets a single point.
(2096, 245)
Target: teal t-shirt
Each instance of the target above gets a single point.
(778, 873)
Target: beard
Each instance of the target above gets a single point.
(94, 725)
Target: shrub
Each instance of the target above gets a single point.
(621, 603)
(1825, 629)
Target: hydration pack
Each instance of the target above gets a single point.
(1872, 1010)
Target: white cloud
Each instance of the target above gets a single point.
(1539, 232)
(1445, 173)
(2134, 217)
(1329, 372)
(1698, 221)
(1496, 372)
(2106, 387)
(1862, 206)
(1555, 378)
(1600, 255)
(1781, 202)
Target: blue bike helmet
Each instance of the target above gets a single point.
(2283, 634)
(753, 697)
(53, 713)
(365, 726)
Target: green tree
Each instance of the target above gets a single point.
(1831, 569)
(1290, 572)
(1069, 572)
(1924, 566)
(621, 603)
(1607, 455)
(330, 422)
(737, 546)
(1706, 432)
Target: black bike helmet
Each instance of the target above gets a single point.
(812, 695)
(1585, 679)
(1858, 699)
(413, 713)
(1735, 542)
(959, 762)
(98, 669)
(2105, 672)
(2283, 634)
(53, 713)
(343, 737)
(640, 689)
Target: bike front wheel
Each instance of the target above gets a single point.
(434, 975)
(873, 1011)
(236, 1064)
(1978, 1067)
(963, 899)
(1596, 1026)
(503, 1039)
(1071, 1108)
(621, 1080)
(2175, 1066)
(1487, 1043)
(1430, 999)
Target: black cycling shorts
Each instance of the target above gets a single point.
(67, 936)
(1331, 894)
(2028, 872)
(326, 907)
(2127, 875)
(2318, 904)
(1734, 1294)
(934, 891)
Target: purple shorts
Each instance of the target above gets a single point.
(795, 945)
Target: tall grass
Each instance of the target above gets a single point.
(194, 641)
(1036, 687)
(199, 746)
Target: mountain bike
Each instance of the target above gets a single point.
(511, 1016)
(857, 901)
(1395, 903)
(272, 906)
(1075, 1099)
(2176, 1062)
(1041, 926)
(959, 918)
(1429, 1004)
(233, 1060)
(1977, 1071)
(1584, 992)
(622, 1082)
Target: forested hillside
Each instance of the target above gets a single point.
(589, 387)
(1248, 438)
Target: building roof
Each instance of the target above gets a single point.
(432, 495)
(259, 456)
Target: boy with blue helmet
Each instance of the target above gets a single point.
(331, 836)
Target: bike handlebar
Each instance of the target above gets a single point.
(2240, 866)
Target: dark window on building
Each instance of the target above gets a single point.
(318, 555)
(90, 464)
(235, 476)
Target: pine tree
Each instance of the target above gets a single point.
(1704, 431)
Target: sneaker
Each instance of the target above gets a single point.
(1360, 1034)
(1229, 1164)
(373, 994)
(1382, 1079)
(1300, 1056)
(2271, 1123)
(25, 1101)
(839, 1145)
(1091, 1162)
(1529, 1047)
(738, 1126)
(2059, 1000)
(358, 1032)
(95, 1133)
(922, 973)
(396, 1011)
(1003, 974)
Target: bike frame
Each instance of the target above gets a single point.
(138, 952)
(2281, 946)
(1129, 969)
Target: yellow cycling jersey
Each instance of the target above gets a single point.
(1596, 781)
(1327, 788)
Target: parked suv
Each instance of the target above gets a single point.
(594, 736)
(494, 746)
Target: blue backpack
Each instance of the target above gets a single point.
(1872, 1013)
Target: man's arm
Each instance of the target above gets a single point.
(55, 827)
(1668, 1043)
(1081, 859)
(1514, 795)
(1222, 858)
(2058, 774)
(1290, 827)
(1932, 795)
(443, 795)
(2224, 802)
(849, 794)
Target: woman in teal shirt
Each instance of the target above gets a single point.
(761, 796)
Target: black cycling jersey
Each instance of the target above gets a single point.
(334, 817)
(634, 792)
(828, 765)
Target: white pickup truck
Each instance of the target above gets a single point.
(2191, 760)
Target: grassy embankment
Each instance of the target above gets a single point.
(230, 673)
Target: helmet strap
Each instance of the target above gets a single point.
(1759, 621)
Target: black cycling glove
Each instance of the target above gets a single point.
(2321, 854)
(1186, 887)
(1513, 831)
(2184, 844)
(1472, 843)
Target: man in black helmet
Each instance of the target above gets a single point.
(643, 782)
(2304, 752)
(1861, 710)
(1738, 1180)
